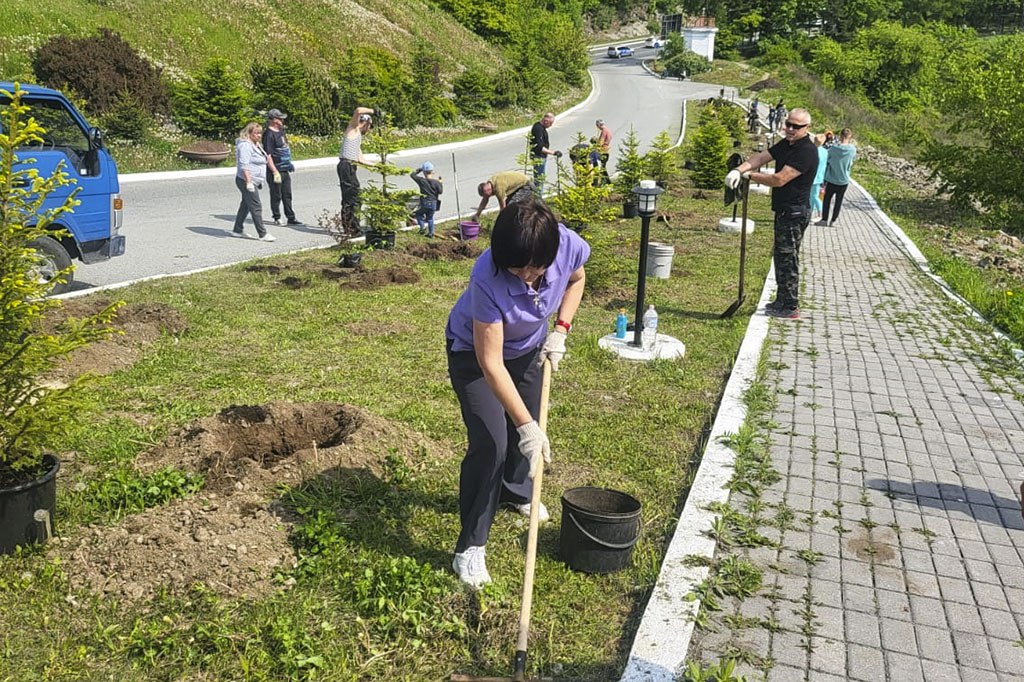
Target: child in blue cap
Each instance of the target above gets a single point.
(430, 190)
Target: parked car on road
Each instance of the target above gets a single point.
(654, 41)
(625, 51)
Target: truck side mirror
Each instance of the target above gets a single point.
(95, 138)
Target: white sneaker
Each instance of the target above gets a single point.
(239, 235)
(268, 238)
(471, 567)
(277, 221)
(542, 514)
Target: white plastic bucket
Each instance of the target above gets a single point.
(659, 260)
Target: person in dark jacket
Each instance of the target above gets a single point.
(430, 191)
(540, 149)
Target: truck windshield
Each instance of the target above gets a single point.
(62, 130)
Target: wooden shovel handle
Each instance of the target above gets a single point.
(531, 538)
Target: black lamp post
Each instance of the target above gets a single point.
(646, 203)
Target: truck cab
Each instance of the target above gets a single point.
(91, 232)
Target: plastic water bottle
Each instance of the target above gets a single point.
(650, 333)
(620, 324)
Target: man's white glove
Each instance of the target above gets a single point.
(554, 348)
(250, 187)
(732, 179)
(277, 178)
(534, 445)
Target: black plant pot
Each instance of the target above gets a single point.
(380, 240)
(629, 209)
(26, 510)
(350, 260)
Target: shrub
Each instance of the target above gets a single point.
(33, 413)
(630, 166)
(660, 160)
(323, 116)
(215, 105)
(127, 119)
(98, 68)
(685, 64)
(473, 93)
(282, 83)
(709, 150)
(372, 77)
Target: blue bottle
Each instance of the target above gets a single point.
(620, 324)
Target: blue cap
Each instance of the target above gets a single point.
(427, 167)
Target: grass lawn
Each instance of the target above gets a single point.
(371, 595)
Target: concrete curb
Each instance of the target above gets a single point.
(663, 638)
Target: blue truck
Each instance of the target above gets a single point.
(90, 233)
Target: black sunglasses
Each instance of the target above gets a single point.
(795, 126)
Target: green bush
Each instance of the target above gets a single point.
(660, 160)
(473, 93)
(214, 105)
(630, 166)
(323, 117)
(98, 68)
(282, 83)
(709, 150)
(373, 77)
(686, 64)
(127, 119)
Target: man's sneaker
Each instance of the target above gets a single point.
(294, 221)
(783, 313)
(822, 223)
(277, 221)
(770, 305)
(471, 566)
(268, 238)
(240, 235)
(524, 509)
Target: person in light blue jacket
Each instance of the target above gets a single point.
(837, 175)
(819, 176)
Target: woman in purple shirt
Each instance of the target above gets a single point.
(497, 339)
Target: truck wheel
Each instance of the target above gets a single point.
(52, 259)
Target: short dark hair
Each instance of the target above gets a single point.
(524, 233)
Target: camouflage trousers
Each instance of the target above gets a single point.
(790, 224)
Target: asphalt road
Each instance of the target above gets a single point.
(181, 222)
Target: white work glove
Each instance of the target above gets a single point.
(554, 348)
(277, 178)
(732, 179)
(250, 187)
(534, 445)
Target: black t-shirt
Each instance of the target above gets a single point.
(539, 139)
(803, 156)
(276, 144)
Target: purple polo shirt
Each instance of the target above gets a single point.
(503, 297)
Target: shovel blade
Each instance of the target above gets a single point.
(731, 310)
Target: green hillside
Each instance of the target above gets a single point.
(179, 35)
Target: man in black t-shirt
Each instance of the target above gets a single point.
(275, 143)
(796, 162)
(540, 148)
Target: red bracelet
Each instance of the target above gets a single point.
(565, 325)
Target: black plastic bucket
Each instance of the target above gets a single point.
(599, 528)
(19, 504)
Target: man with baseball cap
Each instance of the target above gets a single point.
(275, 143)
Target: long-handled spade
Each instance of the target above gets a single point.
(519, 664)
(744, 193)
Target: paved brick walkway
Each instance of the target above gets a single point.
(899, 437)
